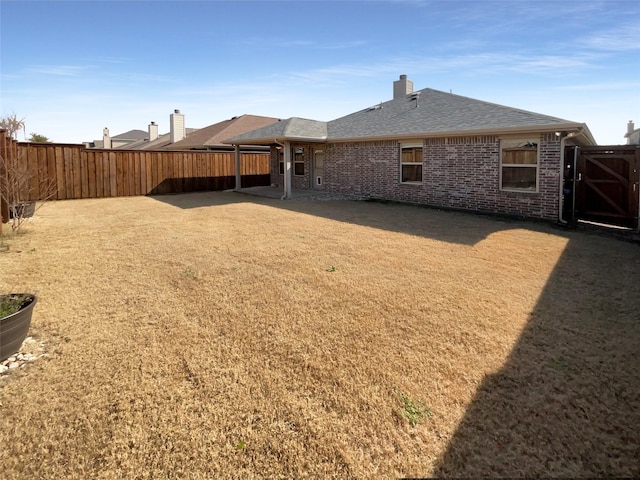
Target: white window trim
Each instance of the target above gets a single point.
(412, 144)
(520, 165)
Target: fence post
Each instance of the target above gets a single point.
(4, 205)
(238, 168)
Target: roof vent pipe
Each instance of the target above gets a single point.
(415, 96)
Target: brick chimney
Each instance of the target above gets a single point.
(402, 87)
(106, 138)
(153, 131)
(177, 126)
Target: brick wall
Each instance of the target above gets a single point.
(458, 172)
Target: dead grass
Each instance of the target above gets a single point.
(220, 335)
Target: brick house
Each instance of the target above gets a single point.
(428, 147)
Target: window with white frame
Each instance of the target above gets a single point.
(519, 164)
(411, 163)
(298, 162)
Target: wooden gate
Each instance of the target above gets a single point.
(607, 184)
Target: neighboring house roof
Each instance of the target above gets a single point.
(422, 113)
(213, 135)
(131, 135)
(159, 143)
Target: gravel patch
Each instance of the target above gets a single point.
(30, 350)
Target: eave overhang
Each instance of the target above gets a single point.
(276, 140)
(580, 129)
(582, 135)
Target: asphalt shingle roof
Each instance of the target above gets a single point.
(131, 135)
(213, 135)
(424, 112)
(291, 128)
(158, 144)
(429, 111)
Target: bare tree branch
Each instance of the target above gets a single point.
(15, 186)
(12, 125)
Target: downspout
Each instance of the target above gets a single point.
(561, 186)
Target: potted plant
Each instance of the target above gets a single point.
(15, 318)
(22, 210)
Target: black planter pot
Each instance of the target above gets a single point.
(22, 210)
(15, 327)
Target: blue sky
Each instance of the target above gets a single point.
(72, 68)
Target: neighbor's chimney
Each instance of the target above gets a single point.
(630, 128)
(153, 131)
(106, 139)
(402, 87)
(177, 126)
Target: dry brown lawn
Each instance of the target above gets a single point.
(219, 335)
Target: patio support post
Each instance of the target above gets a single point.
(238, 171)
(287, 171)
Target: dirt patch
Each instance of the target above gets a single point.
(221, 335)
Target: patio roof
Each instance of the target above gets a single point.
(290, 129)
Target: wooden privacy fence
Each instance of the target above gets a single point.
(79, 172)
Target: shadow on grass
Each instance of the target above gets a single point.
(442, 225)
(567, 401)
(186, 201)
(181, 185)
